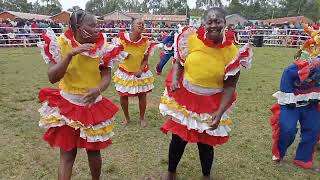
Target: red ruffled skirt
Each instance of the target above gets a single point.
(190, 114)
(71, 125)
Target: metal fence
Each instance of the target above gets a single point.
(20, 37)
(273, 37)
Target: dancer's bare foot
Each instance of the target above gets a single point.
(125, 122)
(206, 178)
(143, 123)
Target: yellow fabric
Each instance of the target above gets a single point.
(178, 108)
(82, 73)
(53, 120)
(204, 65)
(74, 124)
(136, 55)
(142, 82)
(102, 131)
(50, 120)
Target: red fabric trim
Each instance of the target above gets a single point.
(274, 121)
(110, 55)
(309, 164)
(98, 45)
(193, 102)
(228, 40)
(87, 115)
(304, 69)
(237, 63)
(192, 136)
(304, 165)
(129, 42)
(68, 138)
(230, 34)
(133, 95)
(151, 47)
(47, 42)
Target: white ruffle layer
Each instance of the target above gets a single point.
(196, 121)
(289, 98)
(181, 45)
(203, 91)
(53, 112)
(244, 62)
(133, 89)
(117, 59)
(54, 48)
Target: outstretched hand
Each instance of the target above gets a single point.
(82, 48)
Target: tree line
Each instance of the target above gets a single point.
(250, 9)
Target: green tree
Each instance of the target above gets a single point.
(74, 8)
(1, 5)
(235, 7)
(178, 7)
(208, 3)
(53, 9)
(132, 6)
(101, 7)
(48, 2)
(16, 5)
(37, 8)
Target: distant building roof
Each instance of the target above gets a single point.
(173, 18)
(27, 15)
(235, 19)
(293, 19)
(64, 17)
(62, 12)
(136, 15)
(118, 15)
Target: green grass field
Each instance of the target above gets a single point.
(142, 153)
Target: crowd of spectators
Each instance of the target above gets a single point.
(285, 34)
(22, 31)
(152, 29)
(26, 31)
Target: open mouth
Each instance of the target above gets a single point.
(215, 31)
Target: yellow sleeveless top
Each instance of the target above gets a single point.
(82, 73)
(204, 65)
(136, 55)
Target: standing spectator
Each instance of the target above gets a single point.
(34, 27)
(298, 26)
(27, 27)
(315, 26)
(291, 26)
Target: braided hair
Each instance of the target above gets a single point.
(76, 19)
